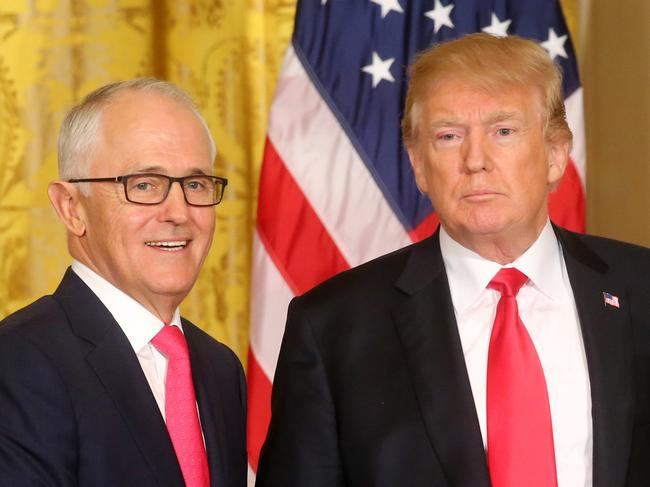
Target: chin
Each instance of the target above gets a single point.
(172, 286)
(487, 223)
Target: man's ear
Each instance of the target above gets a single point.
(418, 169)
(66, 200)
(558, 158)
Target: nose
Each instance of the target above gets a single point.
(475, 154)
(175, 208)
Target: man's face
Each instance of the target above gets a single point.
(153, 253)
(484, 162)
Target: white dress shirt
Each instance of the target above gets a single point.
(547, 309)
(138, 324)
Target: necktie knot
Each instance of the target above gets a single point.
(508, 281)
(170, 341)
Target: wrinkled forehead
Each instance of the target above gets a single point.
(148, 128)
(489, 83)
(454, 87)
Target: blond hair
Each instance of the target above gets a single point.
(490, 63)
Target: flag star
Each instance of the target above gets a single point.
(555, 45)
(323, 2)
(440, 16)
(497, 28)
(387, 6)
(379, 69)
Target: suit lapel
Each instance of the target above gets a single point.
(608, 340)
(428, 332)
(210, 406)
(118, 369)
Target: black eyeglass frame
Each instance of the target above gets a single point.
(223, 182)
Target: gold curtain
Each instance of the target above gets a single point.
(226, 54)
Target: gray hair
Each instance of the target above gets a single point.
(79, 132)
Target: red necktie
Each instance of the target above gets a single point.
(520, 436)
(180, 407)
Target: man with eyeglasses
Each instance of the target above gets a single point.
(103, 383)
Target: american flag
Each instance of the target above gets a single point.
(336, 187)
(611, 300)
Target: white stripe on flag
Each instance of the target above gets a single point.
(271, 296)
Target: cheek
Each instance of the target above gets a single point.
(128, 231)
(132, 223)
(531, 182)
(204, 219)
(432, 173)
(443, 179)
(419, 171)
(421, 181)
(107, 225)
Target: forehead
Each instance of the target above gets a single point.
(143, 128)
(454, 97)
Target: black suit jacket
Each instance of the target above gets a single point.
(76, 408)
(371, 387)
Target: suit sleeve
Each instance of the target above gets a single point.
(301, 446)
(37, 430)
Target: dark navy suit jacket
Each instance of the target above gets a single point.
(76, 408)
(371, 387)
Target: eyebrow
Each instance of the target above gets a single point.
(503, 117)
(500, 116)
(444, 122)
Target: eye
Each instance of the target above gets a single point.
(143, 184)
(447, 137)
(504, 131)
(198, 184)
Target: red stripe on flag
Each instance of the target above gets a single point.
(566, 206)
(425, 228)
(259, 409)
(297, 242)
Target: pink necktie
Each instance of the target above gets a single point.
(180, 408)
(520, 436)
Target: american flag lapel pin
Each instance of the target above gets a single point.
(611, 300)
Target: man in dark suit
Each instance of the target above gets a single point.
(95, 384)
(392, 373)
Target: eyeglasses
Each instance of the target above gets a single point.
(152, 189)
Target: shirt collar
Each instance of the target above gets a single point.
(469, 273)
(137, 322)
(543, 263)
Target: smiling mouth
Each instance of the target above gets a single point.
(171, 246)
